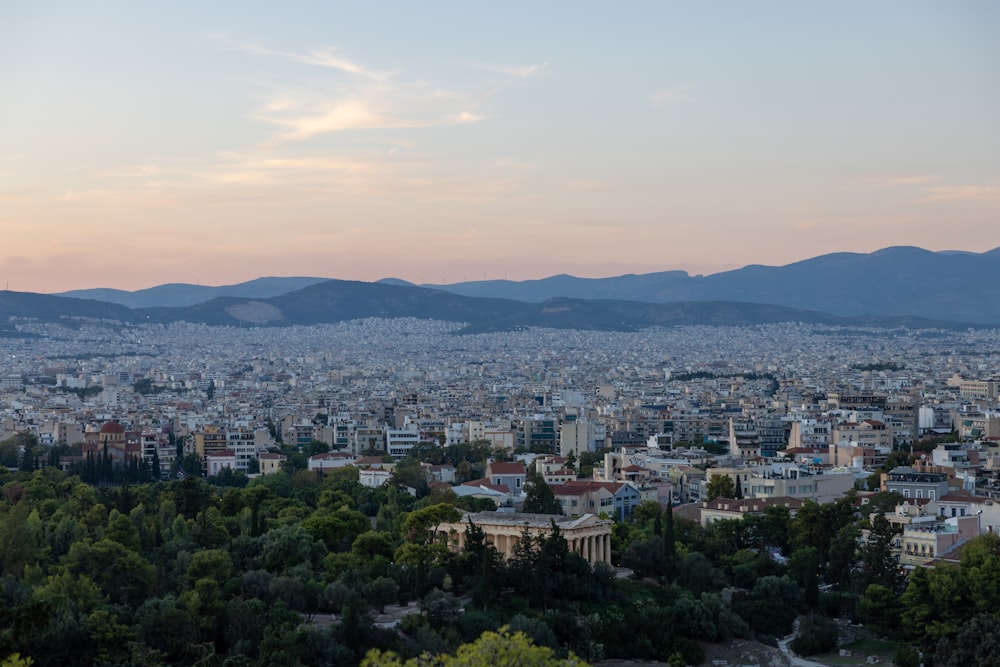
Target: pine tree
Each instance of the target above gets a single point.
(539, 498)
(880, 565)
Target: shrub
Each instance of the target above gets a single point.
(817, 634)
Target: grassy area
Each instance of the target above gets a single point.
(861, 650)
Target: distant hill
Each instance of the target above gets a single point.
(338, 300)
(900, 286)
(948, 285)
(183, 294)
(47, 307)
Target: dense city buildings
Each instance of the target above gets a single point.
(786, 411)
(599, 439)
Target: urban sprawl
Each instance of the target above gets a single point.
(788, 413)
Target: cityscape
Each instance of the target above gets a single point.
(444, 334)
(723, 425)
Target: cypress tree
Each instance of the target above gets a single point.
(669, 546)
(106, 472)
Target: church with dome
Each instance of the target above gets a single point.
(122, 445)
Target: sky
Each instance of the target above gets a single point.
(438, 142)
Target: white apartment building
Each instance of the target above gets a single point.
(399, 441)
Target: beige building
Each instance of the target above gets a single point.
(979, 389)
(925, 541)
(726, 508)
(270, 463)
(743, 443)
(586, 535)
(809, 433)
(577, 499)
(822, 488)
(867, 434)
(978, 425)
(210, 440)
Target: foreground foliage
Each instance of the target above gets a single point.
(292, 569)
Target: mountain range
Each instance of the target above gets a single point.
(899, 286)
(949, 285)
(184, 294)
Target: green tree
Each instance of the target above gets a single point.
(815, 524)
(20, 539)
(421, 525)
(720, 486)
(842, 556)
(380, 592)
(337, 529)
(314, 447)
(492, 649)
(880, 565)
(121, 573)
(896, 459)
(214, 564)
(370, 544)
(292, 545)
(906, 656)
(803, 566)
(774, 604)
(669, 544)
(817, 634)
(977, 644)
(880, 609)
(538, 497)
(936, 603)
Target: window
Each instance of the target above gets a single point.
(906, 493)
(920, 493)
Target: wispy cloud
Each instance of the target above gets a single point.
(365, 110)
(325, 57)
(933, 189)
(958, 193)
(366, 99)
